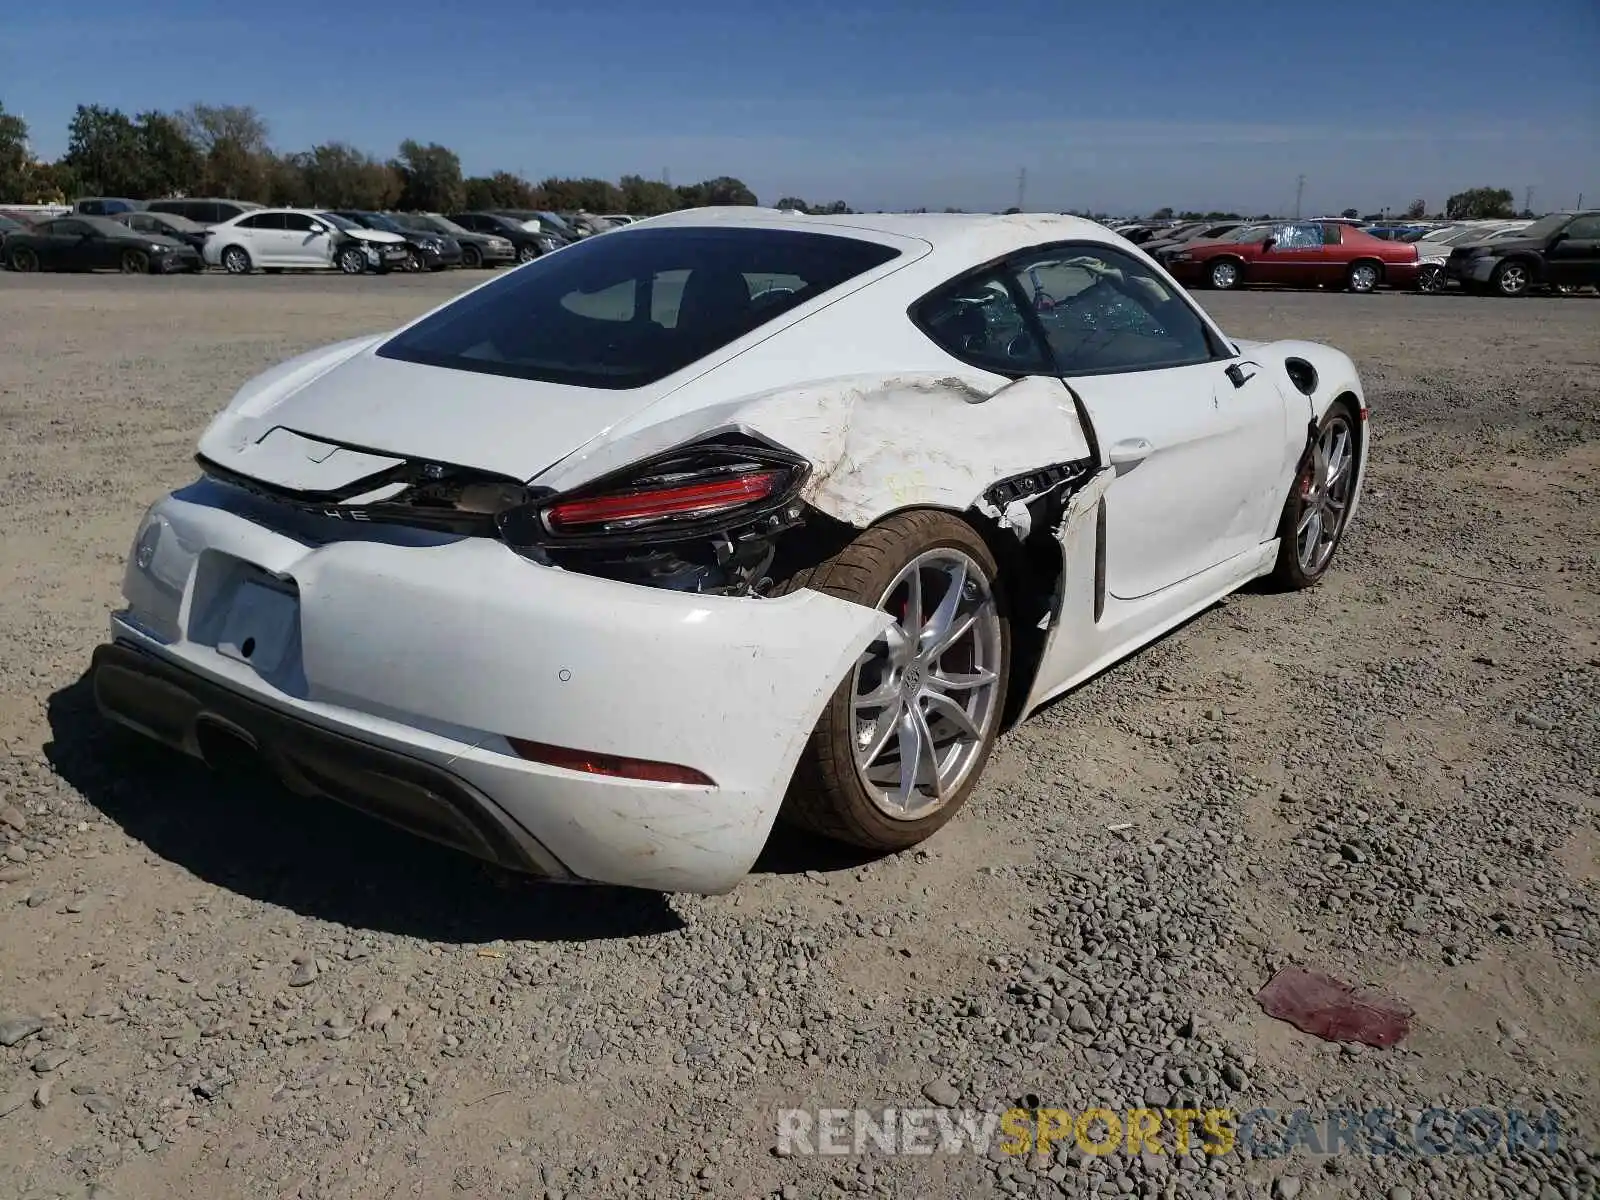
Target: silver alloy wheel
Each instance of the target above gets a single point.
(1363, 277)
(236, 261)
(1325, 495)
(927, 691)
(1224, 275)
(527, 254)
(352, 261)
(1512, 279)
(1431, 278)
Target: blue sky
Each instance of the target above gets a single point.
(882, 103)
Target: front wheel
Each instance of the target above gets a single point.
(412, 263)
(135, 262)
(526, 254)
(1223, 275)
(1510, 278)
(1314, 516)
(905, 736)
(471, 257)
(1431, 279)
(352, 260)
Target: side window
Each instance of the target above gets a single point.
(262, 221)
(1103, 312)
(1298, 237)
(298, 222)
(92, 208)
(977, 320)
(1585, 228)
(1332, 233)
(70, 228)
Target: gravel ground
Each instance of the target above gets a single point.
(216, 989)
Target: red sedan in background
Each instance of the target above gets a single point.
(1298, 253)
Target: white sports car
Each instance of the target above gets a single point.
(599, 567)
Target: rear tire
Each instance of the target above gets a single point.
(921, 695)
(1321, 493)
(24, 259)
(1363, 277)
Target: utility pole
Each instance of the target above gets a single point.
(1022, 188)
(666, 176)
(1299, 191)
(1527, 200)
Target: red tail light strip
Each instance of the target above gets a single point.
(615, 765)
(689, 499)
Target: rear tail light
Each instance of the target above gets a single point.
(704, 488)
(616, 766)
(700, 498)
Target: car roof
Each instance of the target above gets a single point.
(974, 236)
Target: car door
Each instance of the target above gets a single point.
(74, 245)
(258, 234)
(1574, 257)
(306, 241)
(1197, 455)
(1294, 257)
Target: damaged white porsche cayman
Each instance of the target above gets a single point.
(600, 567)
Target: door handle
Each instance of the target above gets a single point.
(1130, 451)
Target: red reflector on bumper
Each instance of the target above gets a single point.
(614, 765)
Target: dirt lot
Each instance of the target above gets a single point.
(1391, 777)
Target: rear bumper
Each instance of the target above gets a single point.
(190, 713)
(438, 650)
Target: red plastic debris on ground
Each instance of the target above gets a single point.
(1333, 1010)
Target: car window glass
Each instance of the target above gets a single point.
(1331, 234)
(257, 222)
(1298, 237)
(568, 318)
(615, 303)
(1103, 311)
(298, 222)
(977, 320)
(71, 227)
(1584, 227)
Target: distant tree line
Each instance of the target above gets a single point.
(224, 150)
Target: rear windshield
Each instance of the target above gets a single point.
(625, 311)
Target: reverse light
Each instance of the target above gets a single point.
(616, 766)
(690, 499)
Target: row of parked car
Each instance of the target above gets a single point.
(1558, 253)
(192, 234)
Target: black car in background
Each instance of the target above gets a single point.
(166, 225)
(477, 249)
(1560, 252)
(428, 251)
(529, 245)
(97, 243)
